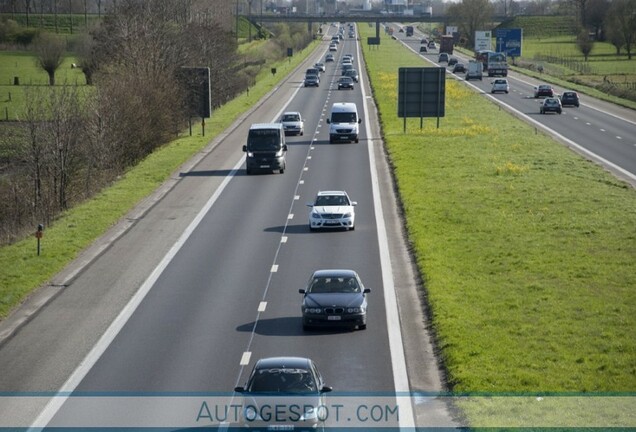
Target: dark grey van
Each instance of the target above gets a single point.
(265, 149)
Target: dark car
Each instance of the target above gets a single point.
(334, 298)
(312, 81)
(353, 74)
(291, 384)
(443, 57)
(544, 90)
(569, 98)
(452, 61)
(329, 58)
(423, 49)
(424, 41)
(345, 82)
(550, 104)
(459, 68)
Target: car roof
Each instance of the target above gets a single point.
(335, 273)
(266, 126)
(291, 113)
(283, 362)
(344, 107)
(331, 192)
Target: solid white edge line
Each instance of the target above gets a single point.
(115, 327)
(398, 360)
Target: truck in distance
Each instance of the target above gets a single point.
(446, 44)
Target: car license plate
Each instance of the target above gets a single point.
(281, 427)
(334, 318)
(264, 166)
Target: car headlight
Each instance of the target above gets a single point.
(313, 310)
(279, 153)
(250, 154)
(315, 215)
(251, 414)
(355, 310)
(348, 214)
(309, 414)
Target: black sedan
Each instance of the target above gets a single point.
(291, 384)
(334, 298)
(459, 68)
(345, 82)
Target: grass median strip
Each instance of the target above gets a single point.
(21, 270)
(528, 251)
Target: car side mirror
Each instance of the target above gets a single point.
(310, 204)
(239, 389)
(359, 120)
(328, 121)
(244, 148)
(326, 389)
(367, 290)
(284, 147)
(302, 291)
(354, 203)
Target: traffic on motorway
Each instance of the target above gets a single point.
(585, 124)
(276, 307)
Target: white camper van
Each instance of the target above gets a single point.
(343, 122)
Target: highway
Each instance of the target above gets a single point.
(601, 132)
(204, 281)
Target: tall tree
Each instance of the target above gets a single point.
(471, 16)
(622, 17)
(49, 51)
(584, 43)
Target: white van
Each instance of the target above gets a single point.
(474, 70)
(343, 122)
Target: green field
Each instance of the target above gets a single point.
(22, 64)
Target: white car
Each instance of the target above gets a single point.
(293, 123)
(333, 47)
(332, 209)
(500, 85)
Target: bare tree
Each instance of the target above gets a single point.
(613, 33)
(584, 43)
(87, 56)
(49, 50)
(471, 16)
(595, 16)
(622, 17)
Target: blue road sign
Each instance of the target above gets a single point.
(509, 41)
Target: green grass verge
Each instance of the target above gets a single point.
(528, 251)
(21, 270)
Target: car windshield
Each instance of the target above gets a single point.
(282, 380)
(263, 139)
(326, 285)
(332, 200)
(290, 118)
(343, 117)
